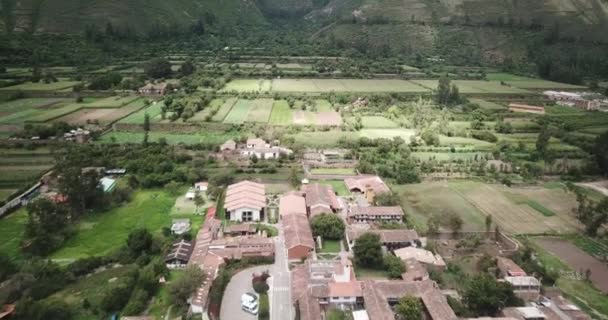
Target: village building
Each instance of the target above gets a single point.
(375, 214)
(390, 238)
(525, 287)
(201, 186)
(242, 246)
(415, 271)
(299, 241)
(369, 186)
(180, 226)
(585, 101)
(245, 201)
(229, 145)
(79, 135)
(426, 258)
(266, 153)
(179, 255)
(253, 143)
(190, 194)
(508, 268)
(153, 89)
(292, 204)
(320, 199)
(516, 107)
(241, 229)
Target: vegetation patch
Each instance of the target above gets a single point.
(281, 114)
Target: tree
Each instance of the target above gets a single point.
(387, 199)
(139, 241)
(443, 91)
(488, 223)
(455, 223)
(146, 122)
(158, 68)
(430, 138)
(486, 297)
(328, 226)
(542, 141)
(368, 251)
(394, 266)
(82, 188)
(172, 188)
(183, 287)
(294, 177)
(600, 151)
(409, 308)
(187, 68)
(45, 229)
(198, 200)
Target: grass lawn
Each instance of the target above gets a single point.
(41, 86)
(338, 185)
(12, 227)
(5, 193)
(330, 246)
(101, 233)
(377, 122)
(365, 273)
(331, 171)
(281, 114)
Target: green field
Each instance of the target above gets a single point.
(475, 86)
(248, 85)
(239, 112)
(488, 105)
(111, 102)
(338, 185)
(201, 116)
(171, 138)
(405, 134)
(377, 122)
(20, 105)
(260, 110)
(51, 114)
(447, 156)
(330, 246)
(503, 76)
(41, 86)
(19, 176)
(281, 114)
(12, 228)
(224, 110)
(100, 234)
(323, 105)
(542, 84)
(153, 111)
(321, 139)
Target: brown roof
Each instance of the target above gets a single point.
(414, 271)
(292, 204)
(245, 194)
(509, 267)
(386, 236)
(363, 182)
(240, 228)
(376, 295)
(376, 211)
(309, 307)
(345, 289)
(256, 142)
(320, 198)
(297, 231)
(228, 145)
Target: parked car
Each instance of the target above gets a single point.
(249, 303)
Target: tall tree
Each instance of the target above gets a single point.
(328, 225)
(181, 289)
(294, 177)
(158, 68)
(409, 308)
(542, 142)
(443, 91)
(486, 297)
(368, 251)
(600, 151)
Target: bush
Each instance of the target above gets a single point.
(484, 135)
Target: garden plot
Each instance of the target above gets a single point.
(153, 111)
(323, 105)
(41, 86)
(100, 115)
(281, 114)
(224, 110)
(329, 118)
(260, 110)
(202, 115)
(111, 102)
(303, 118)
(239, 112)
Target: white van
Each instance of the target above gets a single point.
(249, 303)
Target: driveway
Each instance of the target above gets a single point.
(239, 284)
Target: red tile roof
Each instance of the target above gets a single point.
(320, 198)
(245, 194)
(361, 183)
(292, 204)
(297, 231)
(376, 211)
(345, 289)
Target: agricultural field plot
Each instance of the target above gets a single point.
(248, 85)
(19, 176)
(542, 84)
(329, 118)
(521, 217)
(378, 122)
(12, 227)
(239, 112)
(224, 110)
(503, 76)
(303, 118)
(203, 115)
(304, 85)
(15, 106)
(260, 110)
(323, 105)
(100, 115)
(171, 138)
(55, 113)
(321, 139)
(488, 105)
(405, 134)
(41, 86)
(293, 66)
(475, 86)
(462, 141)
(577, 259)
(154, 110)
(112, 102)
(333, 171)
(345, 85)
(448, 156)
(281, 114)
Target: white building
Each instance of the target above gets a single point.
(245, 201)
(201, 186)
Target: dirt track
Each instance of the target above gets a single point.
(578, 260)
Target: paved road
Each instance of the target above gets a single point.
(239, 284)
(281, 307)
